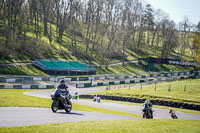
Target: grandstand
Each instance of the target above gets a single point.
(63, 67)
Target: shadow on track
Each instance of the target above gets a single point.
(71, 113)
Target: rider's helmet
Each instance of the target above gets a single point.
(170, 111)
(147, 101)
(62, 81)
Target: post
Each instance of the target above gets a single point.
(155, 86)
(169, 89)
(129, 87)
(23, 80)
(185, 88)
(141, 87)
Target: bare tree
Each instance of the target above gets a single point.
(169, 37)
(184, 35)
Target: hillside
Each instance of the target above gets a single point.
(95, 36)
(41, 48)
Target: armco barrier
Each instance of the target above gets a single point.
(105, 83)
(138, 100)
(27, 86)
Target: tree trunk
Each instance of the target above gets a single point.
(153, 38)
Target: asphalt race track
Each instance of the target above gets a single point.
(24, 116)
(158, 113)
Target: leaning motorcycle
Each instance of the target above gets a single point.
(173, 115)
(148, 113)
(59, 104)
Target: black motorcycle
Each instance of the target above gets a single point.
(148, 113)
(59, 103)
(173, 115)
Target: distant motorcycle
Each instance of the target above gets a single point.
(97, 99)
(172, 113)
(75, 96)
(148, 114)
(58, 103)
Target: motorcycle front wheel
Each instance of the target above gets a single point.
(149, 115)
(68, 107)
(54, 106)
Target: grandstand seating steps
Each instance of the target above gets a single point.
(61, 65)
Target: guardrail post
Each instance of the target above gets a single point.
(169, 89)
(185, 88)
(141, 87)
(155, 86)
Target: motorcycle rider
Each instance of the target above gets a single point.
(75, 95)
(172, 113)
(63, 90)
(147, 106)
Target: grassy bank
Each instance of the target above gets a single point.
(134, 68)
(139, 69)
(176, 93)
(20, 70)
(16, 98)
(117, 126)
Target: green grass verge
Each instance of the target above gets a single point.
(154, 106)
(15, 97)
(117, 126)
(133, 68)
(176, 93)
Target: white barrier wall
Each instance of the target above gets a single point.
(26, 86)
(37, 79)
